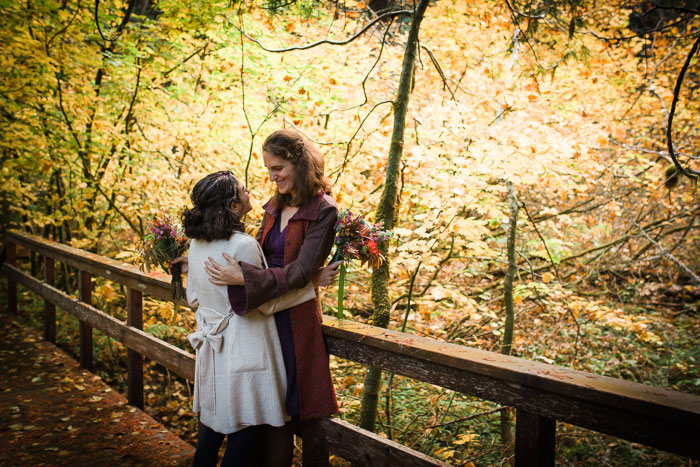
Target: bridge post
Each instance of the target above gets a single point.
(134, 317)
(49, 308)
(85, 287)
(11, 259)
(534, 439)
(314, 450)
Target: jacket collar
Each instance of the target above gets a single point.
(308, 211)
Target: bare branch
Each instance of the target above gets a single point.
(544, 243)
(122, 25)
(667, 254)
(63, 111)
(352, 138)
(677, 8)
(186, 59)
(326, 41)
(662, 154)
(688, 172)
(471, 417)
(439, 70)
(379, 56)
(64, 29)
(307, 136)
(514, 16)
(634, 36)
(524, 15)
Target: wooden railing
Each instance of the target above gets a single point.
(541, 394)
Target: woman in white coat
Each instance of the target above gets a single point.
(240, 380)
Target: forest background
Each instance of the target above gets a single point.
(112, 111)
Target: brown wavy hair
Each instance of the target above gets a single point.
(309, 178)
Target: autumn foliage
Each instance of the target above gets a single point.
(104, 127)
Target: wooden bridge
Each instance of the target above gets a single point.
(52, 412)
(541, 394)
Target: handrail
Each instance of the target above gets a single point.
(173, 358)
(542, 394)
(155, 283)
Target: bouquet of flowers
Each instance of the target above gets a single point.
(356, 238)
(165, 242)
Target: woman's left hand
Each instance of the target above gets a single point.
(183, 261)
(230, 274)
(325, 276)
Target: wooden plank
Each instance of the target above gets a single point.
(85, 287)
(658, 417)
(134, 318)
(343, 439)
(176, 360)
(660, 402)
(49, 308)
(11, 259)
(535, 439)
(155, 284)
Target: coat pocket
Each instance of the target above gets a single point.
(249, 351)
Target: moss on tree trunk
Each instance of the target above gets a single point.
(386, 212)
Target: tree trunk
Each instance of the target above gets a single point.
(506, 422)
(386, 212)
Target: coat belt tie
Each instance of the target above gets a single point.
(206, 341)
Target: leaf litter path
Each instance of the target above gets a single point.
(52, 412)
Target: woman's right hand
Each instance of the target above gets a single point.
(184, 262)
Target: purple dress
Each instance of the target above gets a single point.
(273, 248)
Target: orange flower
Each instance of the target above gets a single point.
(372, 247)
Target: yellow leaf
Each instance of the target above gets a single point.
(575, 308)
(358, 388)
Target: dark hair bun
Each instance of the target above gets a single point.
(211, 218)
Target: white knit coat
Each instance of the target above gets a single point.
(239, 373)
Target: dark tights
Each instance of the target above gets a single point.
(238, 447)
